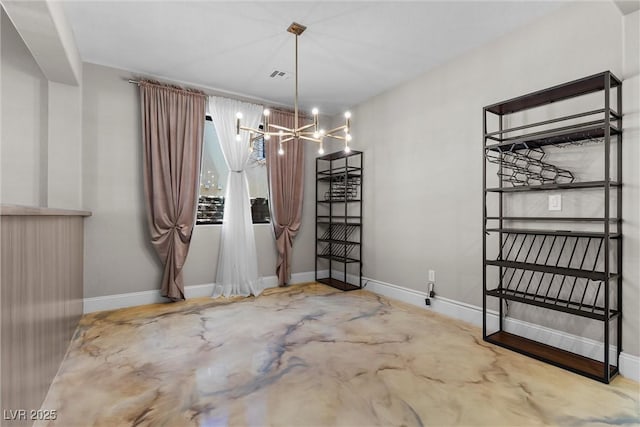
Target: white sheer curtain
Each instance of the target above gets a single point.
(238, 259)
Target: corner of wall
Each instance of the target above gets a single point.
(67, 39)
(631, 44)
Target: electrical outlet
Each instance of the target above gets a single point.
(555, 202)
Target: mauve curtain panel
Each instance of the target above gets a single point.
(286, 190)
(172, 134)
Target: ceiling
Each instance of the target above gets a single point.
(349, 52)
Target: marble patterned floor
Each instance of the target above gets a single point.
(310, 355)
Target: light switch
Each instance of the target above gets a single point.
(555, 202)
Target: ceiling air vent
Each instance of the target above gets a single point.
(280, 75)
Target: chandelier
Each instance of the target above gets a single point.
(309, 132)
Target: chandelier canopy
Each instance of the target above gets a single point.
(310, 132)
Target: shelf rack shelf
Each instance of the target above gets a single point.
(339, 220)
(558, 271)
(561, 92)
(567, 233)
(561, 358)
(552, 219)
(551, 187)
(573, 270)
(553, 137)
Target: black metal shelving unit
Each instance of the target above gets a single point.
(339, 220)
(576, 270)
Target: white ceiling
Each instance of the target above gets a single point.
(349, 52)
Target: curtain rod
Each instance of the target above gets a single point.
(306, 116)
(178, 87)
(169, 86)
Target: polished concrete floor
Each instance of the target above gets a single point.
(310, 355)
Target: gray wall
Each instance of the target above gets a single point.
(423, 139)
(118, 257)
(64, 146)
(41, 133)
(631, 189)
(23, 148)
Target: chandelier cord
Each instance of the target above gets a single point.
(295, 116)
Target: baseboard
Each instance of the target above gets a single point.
(131, 299)
(629, 364)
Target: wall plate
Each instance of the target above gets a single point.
(555, 202)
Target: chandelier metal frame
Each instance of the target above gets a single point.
(310, 132)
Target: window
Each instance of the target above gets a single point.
(213, 179)
(258, 154)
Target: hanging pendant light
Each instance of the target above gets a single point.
(310, 132)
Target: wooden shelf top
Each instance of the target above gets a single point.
(560, 92)
(561, 358)
(339, 155)
(18, 210)
(338, 284)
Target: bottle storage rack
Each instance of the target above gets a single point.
(527, 168)
(339, 220)
(576, 270)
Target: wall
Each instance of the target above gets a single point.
(423, 162)
(64, 166)
(41, 139)
(631, 189)
(23, 148)
(118, 256)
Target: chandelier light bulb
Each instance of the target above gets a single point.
(266, 112)
(239, 115)
(267, 137)
(322, 131)
(347, 115)
(238, 138)
(314, 111)
(321, 150)
(347, 149)
(348, 137)
(316, 135)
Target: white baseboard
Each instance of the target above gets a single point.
(629, 364)
(131, 299)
